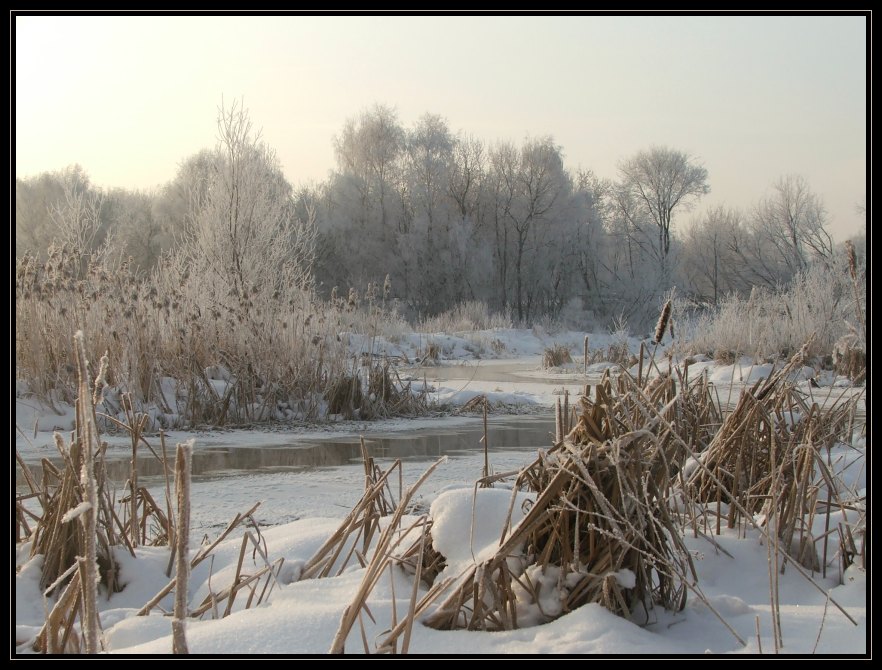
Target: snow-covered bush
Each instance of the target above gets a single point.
(774, 323)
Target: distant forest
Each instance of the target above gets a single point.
(448, 218)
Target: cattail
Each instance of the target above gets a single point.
(100, 379)
(183, 460)
(88, 564)
(663, 319)
(852, 260)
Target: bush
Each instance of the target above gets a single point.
(775, 323)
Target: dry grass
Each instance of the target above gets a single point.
(602, 514)
(79, 527)
(766, 459)
(468, 316)
(822, 301)
(849, 356)
(194, 357)
(556, 356)
(354, 535)
(599, 512)
(596, 514)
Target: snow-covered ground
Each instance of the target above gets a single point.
(504, 364)
(302, 617)
(303, 504)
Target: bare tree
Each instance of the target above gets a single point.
(243, 233)
(710, 264)
(428, 157)
(369, 149)
(663, 179)
(792, 221)
(530, 188)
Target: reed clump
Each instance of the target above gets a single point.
(555, 356)
(766, 460)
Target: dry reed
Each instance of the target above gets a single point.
(766, 458)
(555, 356)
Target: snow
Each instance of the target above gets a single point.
(77, 511)
(303, 505)
(478, 515)
(302, 617)
(495, 343)
(33, 415)
(626, 578)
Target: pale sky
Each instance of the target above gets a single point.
(753, 98)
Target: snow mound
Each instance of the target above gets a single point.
(467, 524)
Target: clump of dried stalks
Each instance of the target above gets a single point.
(597, 515)
(556, 356)
(600, 517)
(767, 459)
(281, 350)
(67, 494)
(356, 532)
(371, 393)
(355, 538)
(432, 354)
(849, 356)
(79, 527)
(600, 512)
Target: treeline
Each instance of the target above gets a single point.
(452, 218)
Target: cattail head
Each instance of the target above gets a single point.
(100, 379)
(663, 319)
(852, 260)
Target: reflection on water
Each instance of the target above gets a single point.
(515, 433)
(506, 434)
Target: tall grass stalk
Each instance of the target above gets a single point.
(182, 561)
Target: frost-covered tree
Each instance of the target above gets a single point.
(530, 189)
(369, 150)
(138, 232)
(589, 238)
(710, 267)
(636, 270)
(366, 218)
(171, 205)
(58, 207)
(471, 255)
(426, 175)
(243, 235)
(662, 180)
(791, 221)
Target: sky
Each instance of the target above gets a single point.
(752, 98)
